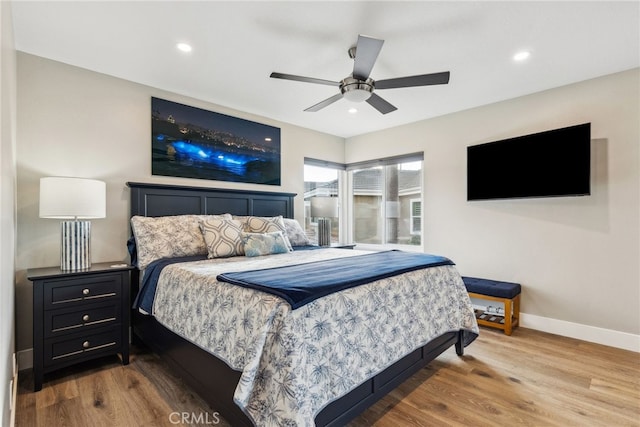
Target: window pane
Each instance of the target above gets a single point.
(416, 208)
(392, 213)
(409, 197)
(321, 184)
(367, 205)
(416, 215)
(386, 204)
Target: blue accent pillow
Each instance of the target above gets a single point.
(258, 244)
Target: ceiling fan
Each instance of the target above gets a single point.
(359, 86)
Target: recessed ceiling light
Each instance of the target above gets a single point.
(184, 47)
(521, 56)
(352, 110)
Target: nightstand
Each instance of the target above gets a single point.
(79, 315)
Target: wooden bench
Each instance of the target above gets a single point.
(506, 293)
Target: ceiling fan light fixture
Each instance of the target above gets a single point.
(357, 95)
(355, 90)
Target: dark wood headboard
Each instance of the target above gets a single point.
(163, 200)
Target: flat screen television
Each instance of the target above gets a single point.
(554, 163)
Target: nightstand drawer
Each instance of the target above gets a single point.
(81, 346)
(82, 290)
(76, 319)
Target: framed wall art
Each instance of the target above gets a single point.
(190, 142)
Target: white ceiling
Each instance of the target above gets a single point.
(236, 45)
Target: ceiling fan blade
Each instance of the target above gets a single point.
(380, 104)
(275, 75)
(367, 51)
(420, 80)
(320, 105)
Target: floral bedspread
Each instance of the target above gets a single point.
(295, 362)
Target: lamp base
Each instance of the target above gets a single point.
(75, 248)
(324, 231)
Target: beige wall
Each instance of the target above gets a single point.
(7, 206)
(577, 258)
(74, 122)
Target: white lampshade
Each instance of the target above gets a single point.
(76, 199)
(324, 207)
(72, 198)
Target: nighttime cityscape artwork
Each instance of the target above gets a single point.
(189, 142)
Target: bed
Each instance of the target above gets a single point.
(291, 374)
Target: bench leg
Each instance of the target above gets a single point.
(508, 326)
(516, 311)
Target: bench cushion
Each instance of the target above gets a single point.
(491, 288)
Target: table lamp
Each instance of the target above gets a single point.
(73, 199)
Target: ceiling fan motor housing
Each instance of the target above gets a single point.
(356, 90)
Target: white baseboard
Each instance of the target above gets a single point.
(623, 340)
(14, 400)
(25, 359)
(13, 390)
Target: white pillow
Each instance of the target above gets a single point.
(223, 237)
(295, 233)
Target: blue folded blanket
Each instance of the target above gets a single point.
(302, 283)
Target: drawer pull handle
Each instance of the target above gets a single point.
(85, 344)
(85, 291)
(74, 353)
(85, 318)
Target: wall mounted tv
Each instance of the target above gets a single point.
(554, 163)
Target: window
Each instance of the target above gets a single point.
(416, 216)
(322, 192)
(386, 200)
(369, 203)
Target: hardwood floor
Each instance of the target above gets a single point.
(528, 379)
